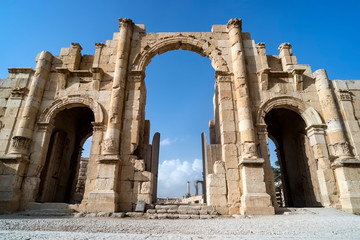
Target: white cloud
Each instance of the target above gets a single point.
(165, 142)
(173, 175)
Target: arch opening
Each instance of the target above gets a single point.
(62, 176)
(295, 157)
(179, 106)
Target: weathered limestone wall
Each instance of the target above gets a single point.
(123, 163)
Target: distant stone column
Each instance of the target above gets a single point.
(254, 199)
(112, 136)
(205, 165)
(22, 139)
(345, 165)
(188, 188)
(155, 163)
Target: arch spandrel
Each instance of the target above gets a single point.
(69, 102)
(190, 43)
(308, 113)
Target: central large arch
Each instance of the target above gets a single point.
(190, 43)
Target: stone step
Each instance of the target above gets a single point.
(48, 209)
(174, 211)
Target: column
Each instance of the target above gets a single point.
(22, 139)
(254, 199)
(105, 196)
(325, 176)
(345, 166)
(112, 135)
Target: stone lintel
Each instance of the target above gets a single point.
(111, 158)
(251, 161)
(345, 162)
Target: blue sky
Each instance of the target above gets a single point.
(180, 84)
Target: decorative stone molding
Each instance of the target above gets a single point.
(344, 95)
(63, 74)
(19, 93)
(97, 73)
(72, 101)
(252, 161)
(308, 113)
(109, 158)
(234, 22)
(340, 149)
(20, 145)
(21, 70)
(200, 46)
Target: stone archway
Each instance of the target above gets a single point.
(303, 127)
(190, 43)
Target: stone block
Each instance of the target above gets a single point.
(146, 187)
(217, 200)
(219, 167)
(143, 176)
(139, 165)
(232, 174)
(216, 190)
(216, 180)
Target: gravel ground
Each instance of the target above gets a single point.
(309, 223)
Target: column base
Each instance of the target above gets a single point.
(102, 201)
(256, 204)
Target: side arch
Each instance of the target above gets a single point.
(69, 102)
(308, 113)
(190, 43)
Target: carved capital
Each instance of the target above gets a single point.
(109, 146)
(248, 150)
(222, 76)
(234, 22)
(137, 76)
(99, 45)
(20, 145)
(76, 45)
(284, 46)
(19, 93)
(97, 126)
(340, 149)
(345, 95)
(45, 127)
(125, 22)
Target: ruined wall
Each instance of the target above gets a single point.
(122, 167)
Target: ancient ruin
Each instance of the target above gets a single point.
(47, 113)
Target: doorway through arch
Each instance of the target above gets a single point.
(298, 166)
(60, 178)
